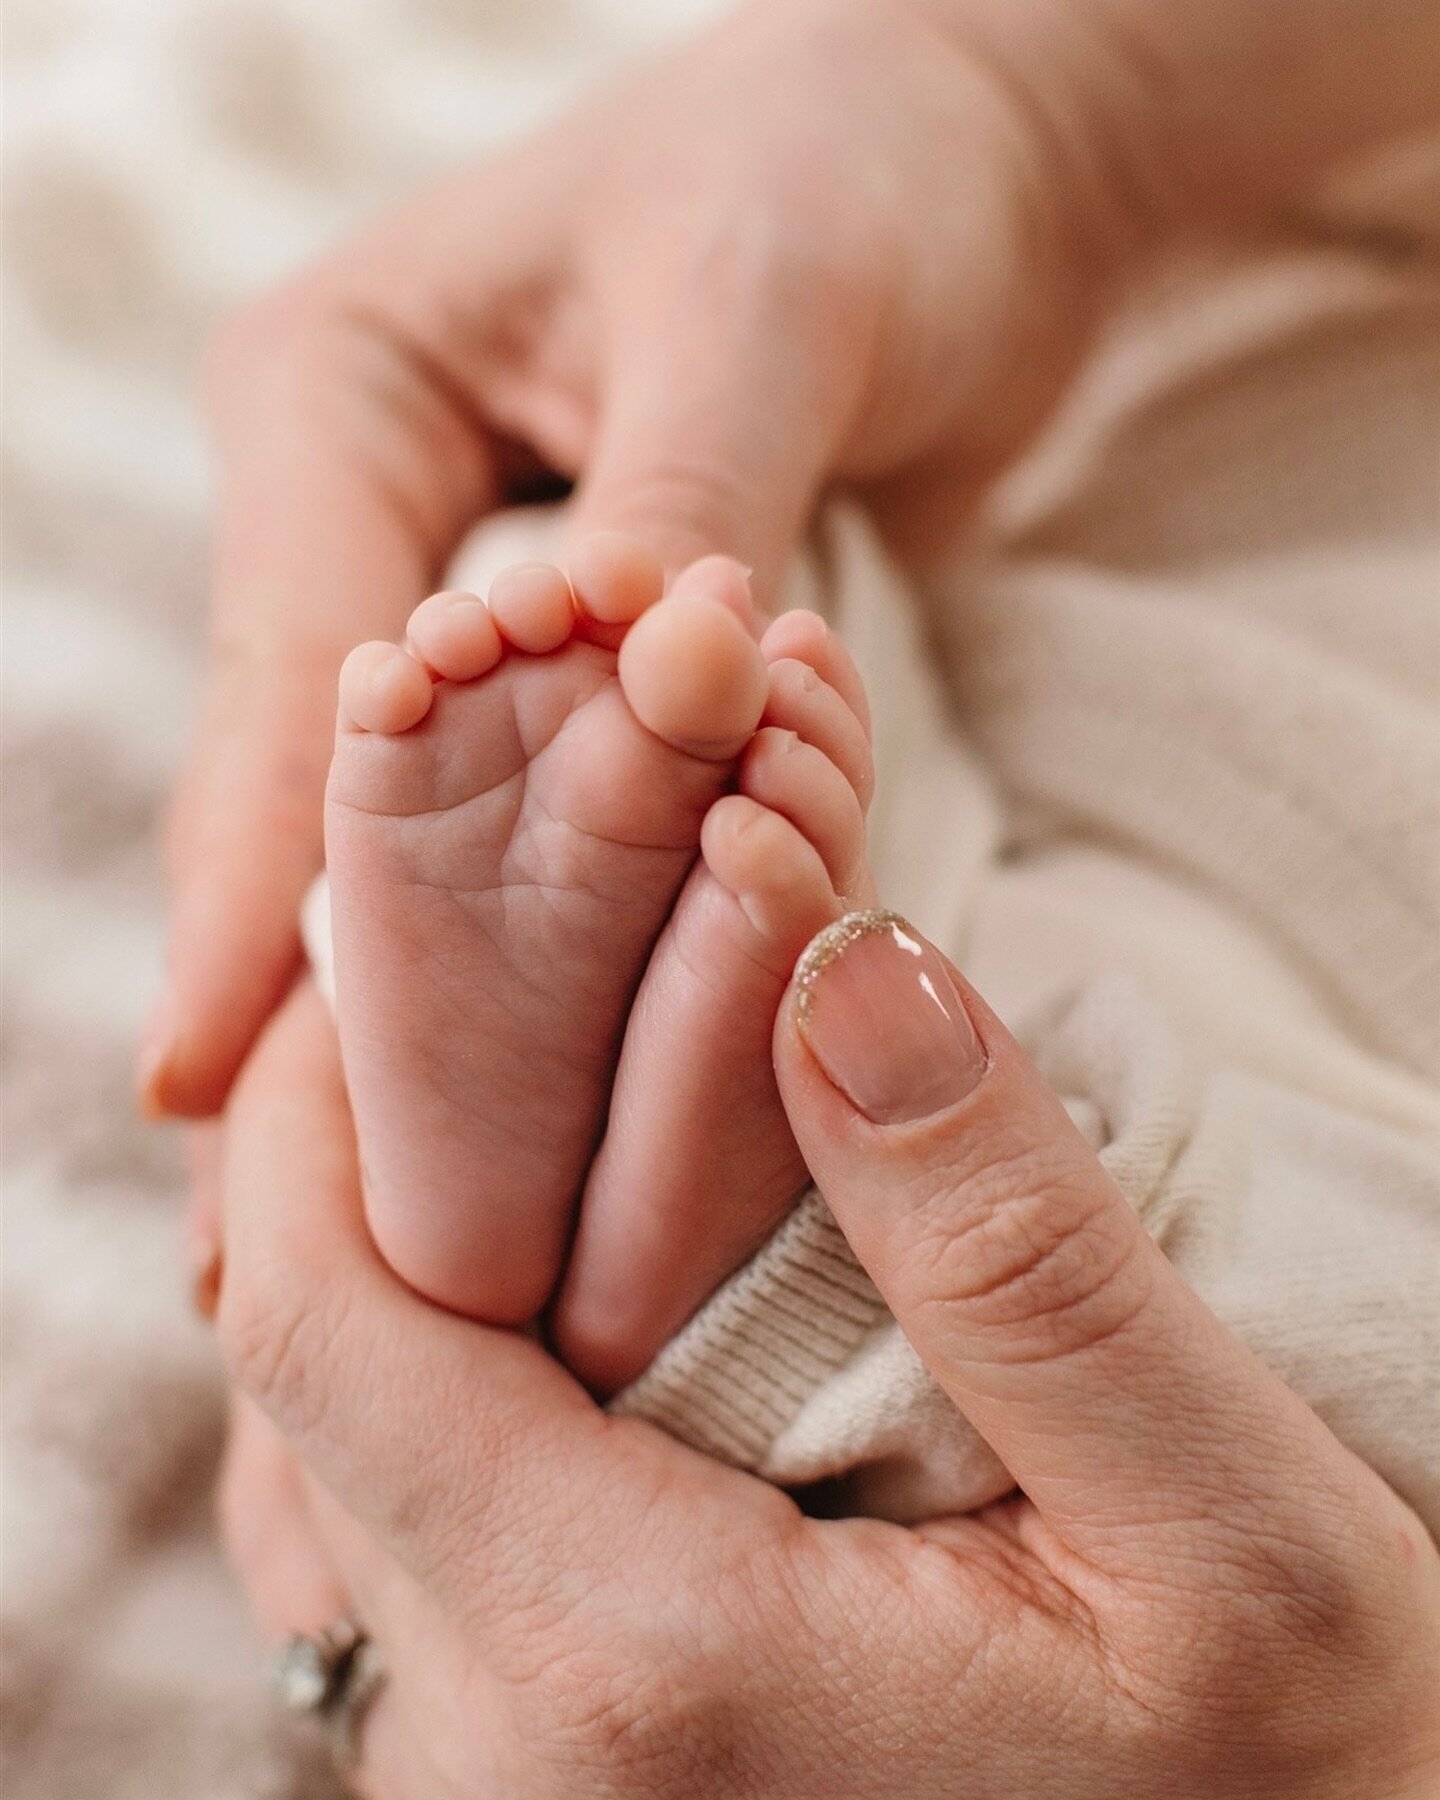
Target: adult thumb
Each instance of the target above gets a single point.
(1025, 1281)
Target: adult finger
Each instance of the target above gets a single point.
(1016, 1268)
(304, 1566)
(290, 1580)
(442, 1437)
(346, 478)
(203, 1236)
(407, 1746)
(726, 397)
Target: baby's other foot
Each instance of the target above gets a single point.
(699, 1164)
(512, 809)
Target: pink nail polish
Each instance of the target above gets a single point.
(880, 1014)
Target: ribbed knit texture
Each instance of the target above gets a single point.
(792, 1319)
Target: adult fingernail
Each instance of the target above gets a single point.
(204, 1246)
(207, 1270)
(878, 1011)
(152, 1058)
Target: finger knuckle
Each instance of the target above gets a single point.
(771, 258)
(264, 334)
(277, 1334)
(1032, 1247)
(1290, 1647)
(650, 1700)
(697, 500)
(311, 350)
(637, 1717)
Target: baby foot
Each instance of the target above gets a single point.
(698, 1164)
(511, 812)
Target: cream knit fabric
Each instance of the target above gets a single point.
(1159, 766)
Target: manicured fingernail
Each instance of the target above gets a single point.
(878, 1010)
(152, 1057)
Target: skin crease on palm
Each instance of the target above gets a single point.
(938, 199)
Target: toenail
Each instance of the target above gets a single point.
(383, 689)
(533, 605)
(465, 606)
(447, 604)
(453, 634)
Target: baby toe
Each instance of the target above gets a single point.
(454, 635)
(799, 782)
(383, 690)
(533, 607)
(775, 875)
(800, 700)
(694, 676)
(803, 636)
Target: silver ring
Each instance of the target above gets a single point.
(334, 1677)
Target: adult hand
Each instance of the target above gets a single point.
(855, 241)
(1201, 1592)
(822, 243)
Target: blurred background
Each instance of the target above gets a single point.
(163, 159)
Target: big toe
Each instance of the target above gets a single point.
(694, 675)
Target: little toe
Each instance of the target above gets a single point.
(801, 701)
(455, 637)
(694, 676)
(615, 578)
(775, 875)
(803, 636)
(783, 773)
(532, 605)
(383, 690)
